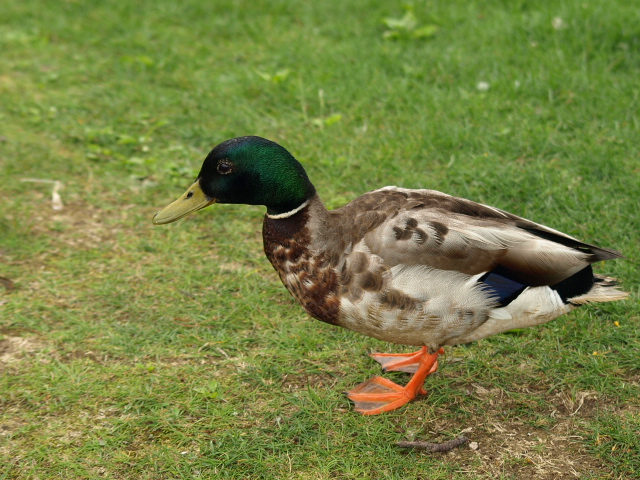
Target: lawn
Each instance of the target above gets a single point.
(129, 351)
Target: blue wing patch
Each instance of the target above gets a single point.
(504, 289)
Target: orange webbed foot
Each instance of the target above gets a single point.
(379, 395)
(402, 362)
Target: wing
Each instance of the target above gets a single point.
(433, 229)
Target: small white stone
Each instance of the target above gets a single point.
(557, 23)
(473, 445)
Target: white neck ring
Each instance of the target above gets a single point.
(289, 213)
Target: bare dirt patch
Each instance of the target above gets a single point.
(517, 451)
(12, 349)
(543, 443)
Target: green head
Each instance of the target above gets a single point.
(247, 170)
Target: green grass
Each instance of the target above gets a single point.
(132, 351)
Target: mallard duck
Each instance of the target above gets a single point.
(412, 267)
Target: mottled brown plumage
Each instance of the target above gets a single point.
(361, 266)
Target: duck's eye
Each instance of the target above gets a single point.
(225, 167)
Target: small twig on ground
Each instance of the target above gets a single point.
(56, 199)
(435, 447)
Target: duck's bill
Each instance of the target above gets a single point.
(191, 201)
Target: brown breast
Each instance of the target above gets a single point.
(308, 275)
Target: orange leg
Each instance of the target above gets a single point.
(379, 395)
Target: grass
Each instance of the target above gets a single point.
(128, 351)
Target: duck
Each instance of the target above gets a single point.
(414, 267)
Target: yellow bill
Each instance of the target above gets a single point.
(191, 201)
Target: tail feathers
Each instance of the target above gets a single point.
(603, 290)
(596, 254)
